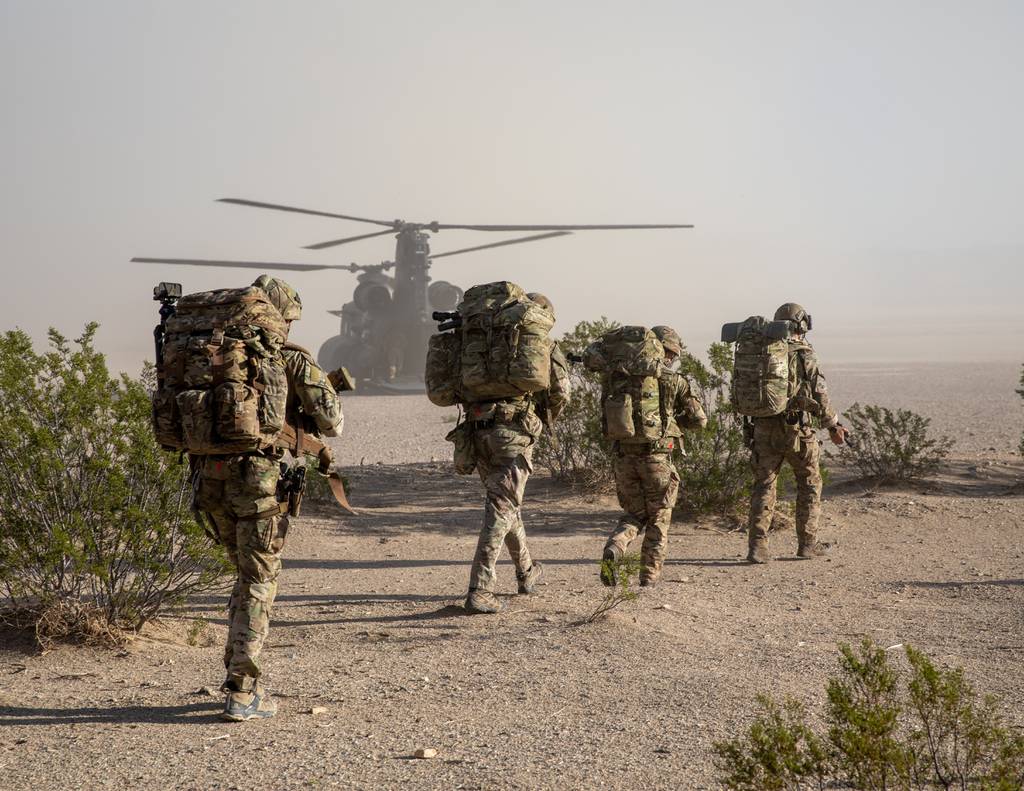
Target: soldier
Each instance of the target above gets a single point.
(503, 445)
(646, 480)
(238, 493)
(790, 437)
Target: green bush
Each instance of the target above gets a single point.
(892, 446)
(884, 731)
(576, 452)
(98, 534)
(715, 473)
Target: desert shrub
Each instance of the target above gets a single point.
(576, 452)
(715, 472)
(885, 730)
(892, 446)
(623, 570)
(98, 534)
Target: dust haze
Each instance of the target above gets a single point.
(861, 160)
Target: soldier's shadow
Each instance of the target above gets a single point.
(187, 714)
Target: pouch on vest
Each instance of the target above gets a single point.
(618, 416)
(441, 375)
(464, 455)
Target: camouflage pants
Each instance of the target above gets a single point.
(776, 442)
(504, 461)
(647, 486)
(234, 492)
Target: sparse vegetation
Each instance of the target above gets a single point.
(98, 533)
(624, 571)
(196, 631)
(577, 452)
(892, 447)
(715, 472)
(885, 731)
(1020, 392)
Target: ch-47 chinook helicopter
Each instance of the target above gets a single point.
(385, 327)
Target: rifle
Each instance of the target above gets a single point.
(166, 294)
(301, 443)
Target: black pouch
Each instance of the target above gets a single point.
(465, 454)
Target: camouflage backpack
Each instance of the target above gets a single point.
(761, 384)
(500, 350)
(221, 386)
(631, 359)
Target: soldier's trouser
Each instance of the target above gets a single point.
(775, 443)
(238, 493)
(647, 486)
(504, 461)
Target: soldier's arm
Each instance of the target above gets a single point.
(819, 389)
(688, 409)
(559, 389)
(316, 395)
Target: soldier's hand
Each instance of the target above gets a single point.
(838, 434)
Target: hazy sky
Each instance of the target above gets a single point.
(861, 158)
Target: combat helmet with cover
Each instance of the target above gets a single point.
(499, 347)
(221, 382)
(669, 339)
(630, 360)
(285, 298)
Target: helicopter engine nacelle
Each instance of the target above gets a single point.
(443, 295)
(371, 296)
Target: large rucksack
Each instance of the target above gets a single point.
(631, 360)
(501, 348)
(761, 382)
(221, 385)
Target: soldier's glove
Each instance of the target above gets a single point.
(341, 380)
(838, 434)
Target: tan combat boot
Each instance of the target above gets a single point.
(758, 552)
(528, 581)
(483, 602)
(251, 705)
(811, 548)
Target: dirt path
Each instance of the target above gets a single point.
(367, 628)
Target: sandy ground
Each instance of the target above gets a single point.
(368, 629)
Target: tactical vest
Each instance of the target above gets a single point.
(221, 386)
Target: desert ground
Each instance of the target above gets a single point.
(371, 656)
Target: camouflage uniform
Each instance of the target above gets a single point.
(646, 480)
(238, 493)
(504, 434)
(790, 438)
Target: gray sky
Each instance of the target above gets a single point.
(861, 158)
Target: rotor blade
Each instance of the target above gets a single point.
(520, 240)
(245, 264)
(346, 240)
(441, 226)
(279, 207)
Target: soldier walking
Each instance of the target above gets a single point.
(239, 495)
(790, 437)
(646, 481)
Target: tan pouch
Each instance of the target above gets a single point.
(618, 416)
(196, 410)
(237, 413)
(464, 456)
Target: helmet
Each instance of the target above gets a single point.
(540, 299)
(284, 297)
(794, 313)
(669, 339)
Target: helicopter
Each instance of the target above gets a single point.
(386, 325)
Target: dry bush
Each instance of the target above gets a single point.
(98, 531)
(892, 447)
(885, 730)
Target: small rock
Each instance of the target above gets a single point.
(207, 691)
(426, 752)
(318, 710)
(663, 607)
